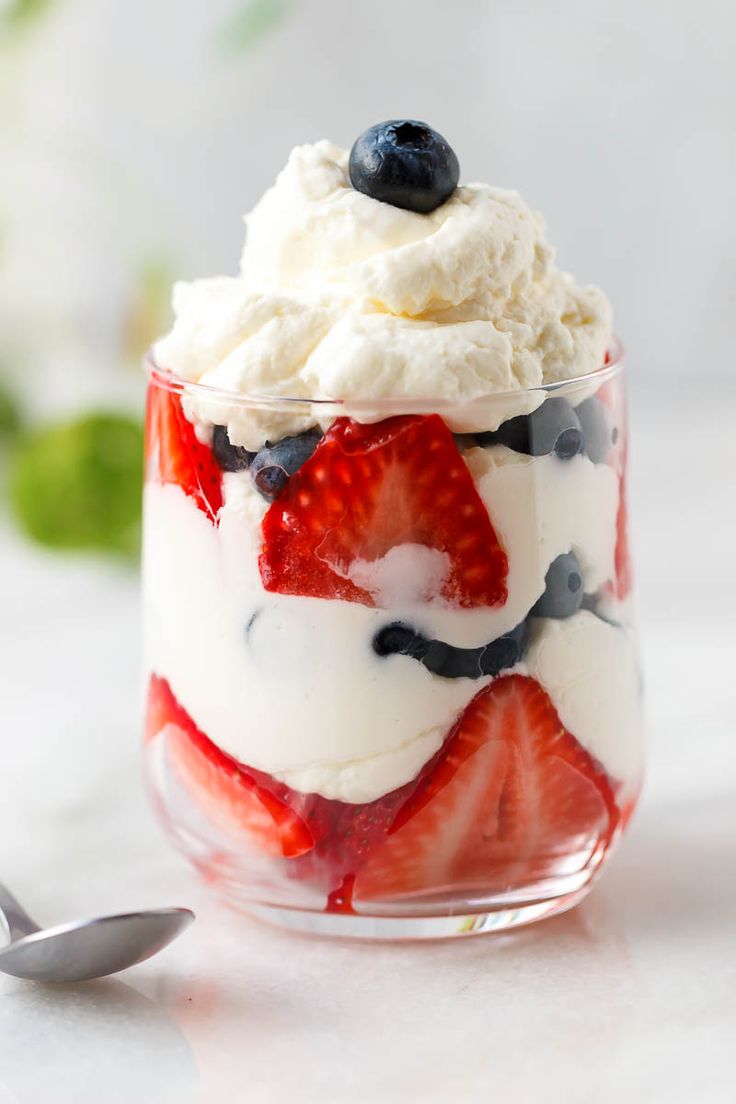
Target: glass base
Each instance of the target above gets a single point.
(255, 885)
(438, 919)
(393, 928)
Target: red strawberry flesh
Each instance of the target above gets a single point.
(512, 797)
(234, 797)
(505, 803)
(370, 488)
(177, 454)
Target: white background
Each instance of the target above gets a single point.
(127, 131)
(130, 129)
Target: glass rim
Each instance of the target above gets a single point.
(407, 404)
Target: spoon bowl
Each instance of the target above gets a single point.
(84, 949)
(89, 949)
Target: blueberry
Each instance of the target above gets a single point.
(271, 467)
(503, 652)
(599, 429)
(404, 163)
(399, 639)
(514, 434)
(552, 427)
(563, 588)
(508, 650)
(447, 661)
(464, 441)
(230, 457)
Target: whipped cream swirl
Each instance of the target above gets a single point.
(342, 297)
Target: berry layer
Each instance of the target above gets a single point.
(291, 685)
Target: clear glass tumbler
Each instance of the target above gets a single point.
(392, 675)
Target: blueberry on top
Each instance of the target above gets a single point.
(405, 163)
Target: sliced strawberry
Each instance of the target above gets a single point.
(511, 799)
(613, 395)
(235, 799)
(368, 489)
(163, 709)
(177, 453)
(610, 391)
(628, 808)
(346, 835)
(624, 579)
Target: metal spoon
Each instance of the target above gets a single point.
(84, 949)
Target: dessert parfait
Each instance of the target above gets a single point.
(392, 679)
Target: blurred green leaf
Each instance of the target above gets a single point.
(10, 417)
(77, 485)
(245, 28)
(19, 13)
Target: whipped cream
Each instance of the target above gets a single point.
(540, 507)
(286, 684)
(291, 685)
(590, 670)
(342, 297)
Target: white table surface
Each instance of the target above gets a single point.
(631, 997)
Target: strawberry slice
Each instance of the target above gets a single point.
(628, 808)
(177, 454)
(611, 393)
(511, 799)
(368, 489)
(345, 837)
(624, 578)
(236, 800)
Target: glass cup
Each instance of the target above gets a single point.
(392, 675)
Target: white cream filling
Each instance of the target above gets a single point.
(590, 670)
(292, 686)
(283, 683)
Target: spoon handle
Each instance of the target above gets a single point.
(13, 917)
